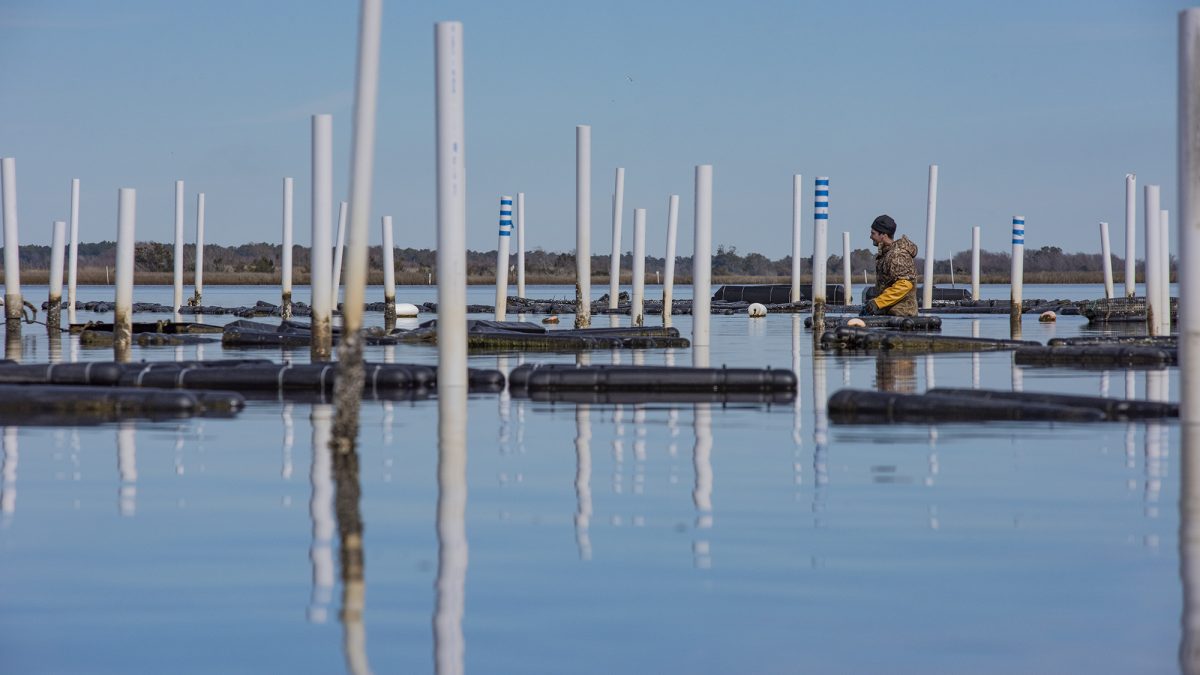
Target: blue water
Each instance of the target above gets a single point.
(599, 539)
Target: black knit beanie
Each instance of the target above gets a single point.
(884, 225)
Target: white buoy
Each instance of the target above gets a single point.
(1130, 234)
(930, 236)
(669, 260)
(123, 313)
(451, 208)
(177, 301)
(820, 251)
(320, 267)
(521, 244)
(407, 310)
(1150, 273)
(1188, 220)
(583, 226)
(1106, 255)
(1164, 269)
(797, 189)
(756, 310)
(12, 254)
(54, 304)
(338, 254)
(614, 263)
(975, 263)
(197, 296)
(505, 234)
(637, 311)
(285, 258)
(73, 253)
(847, 278)
(702, 258)
(1017, 277)
(389, 271)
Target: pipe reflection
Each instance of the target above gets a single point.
(289, 437)
(895, 372)
(975, 356)
(449, 645)
(1189, 548)
(320, 511)
(1018, 378)
(1155, 450)
(820, 423)
(127, 467)
(8, 475)
(583, 480)
(347, 498)
(702, 490)
(12, 342)
(797, 409)
(55, 340)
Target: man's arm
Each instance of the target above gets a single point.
(893, 294)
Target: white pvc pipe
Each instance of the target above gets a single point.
(126, 219)
(1151, 273)
(57, 246)
(1188, 171)
(73, 255)
(583, 226)
(975, 263)
(504, 235)
(820, 241)
(521, 244)
(285, 281)
(669, 261)
(637, 311)
(177, 301)
(1130, 234)
(1164, 268)
(389, 266)
(320, 269)
(614, 263)
(797, 189)
(847, 280)
(12, 255)
(451, 207)
(1106, 254)
(199, 280)
(1017, 277)
(702, 258)
(930, 236)
(338, 254)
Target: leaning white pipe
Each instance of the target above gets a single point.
(1130, 234)
(702, 258)
(338, 254)
(12, 255)
(57, 246)
(1106, 255)
(503, 237)
(320, 270)
(177, 301)
(1150, 273)
(847, 280)
(614, 263)
(122, 318)
(1017, 279)
(637, 311)
(1164, 269)
(583, 226)
(669, 261)
(73, 254)
(930, 236)
(199, 280)
(797, 188)
(285, 279)
(1188, 171)
(451, 207)
(975, 263)
(389, 271)
(521, 244)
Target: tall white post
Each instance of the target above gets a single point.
(1130, 234)
(338, 253)
(669, 260)
(614, 262)
(285, 259)
(1106, 254)
(389, 271)
(930, 236)
(178, 294)
(1017, 278)
(702, 258)
(1164, 269)
(1188, 171)
(73, 254)
(57, 245)
(1151, 273)
(521, 244)
(451, 207)
(847, 280)
(820, 251)
(797, 189)
(583, 226)
(197, 297)
(320, 268)
(505, 234)
(123, 317)
(12, 251)
(639, 267)
(975, 263)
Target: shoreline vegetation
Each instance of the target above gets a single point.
(257, 265)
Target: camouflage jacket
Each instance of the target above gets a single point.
(894, 262)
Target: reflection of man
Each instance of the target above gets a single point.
(895, 271)
(895, 373)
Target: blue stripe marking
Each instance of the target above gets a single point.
(1018, 222)
(1019, 241)
(505, 233)
(506, 213)
(822, 191)
(821, 205)
(822, 181)
(1018, 233)
(821, 216)
(506, 201)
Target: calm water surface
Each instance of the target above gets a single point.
(564, 538)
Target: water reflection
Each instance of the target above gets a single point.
(320, 511)
(896, 372)
(797, 409)
(12, 342)
(127, 467)
(1189, 549)
(975, 357)
(702, 489)
(583, 480)
(449, 645)
(289, 437)
(8, 476)
(820, 425)
(1155, 434)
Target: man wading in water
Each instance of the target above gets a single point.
(895, 271)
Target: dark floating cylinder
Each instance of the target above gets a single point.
(1113, 408)
(852, 406)
(527, 379)
(847, 337)
(902, 323)
(1098, 356)
(70, 404)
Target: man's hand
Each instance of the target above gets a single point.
(869, 308)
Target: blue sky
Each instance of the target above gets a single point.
(1029, 108)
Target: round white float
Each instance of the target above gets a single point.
(757, 310)
(1048, 316)
(857, 323)
(406, 309)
